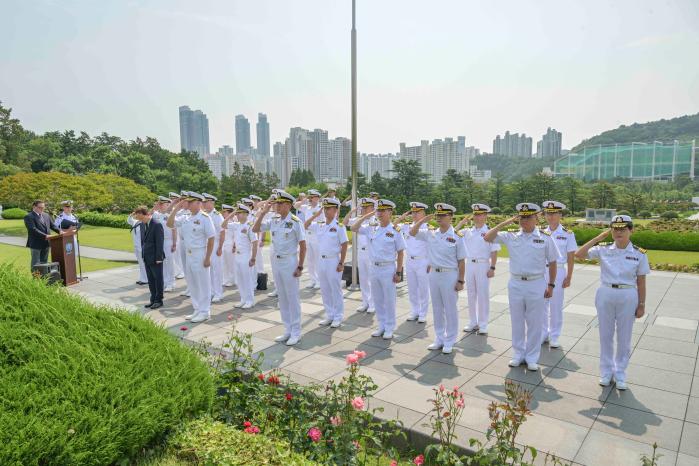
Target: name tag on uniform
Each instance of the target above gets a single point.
(389, 234)
(539, 241)
(632, 258)
(335, 229)
(561, 237)
(197, 222)
(451, 240)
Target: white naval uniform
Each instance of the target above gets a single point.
(216, 269)
(445, 250)
(478, 253)
(616, 306)
(286, 234)
(182, 215)
(416, 264)
(529, 254)
(259, 260)
(196, 230)
(364, 264)
(228, 254)
(136, 237)
(329, 239)
(169, 262)
(384, 245)
(553, 307)
(307, 211)
(72, 218)
(245, 275)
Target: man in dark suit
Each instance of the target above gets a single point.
(39, 226)
(152, 238)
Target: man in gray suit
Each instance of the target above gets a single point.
(39, 226)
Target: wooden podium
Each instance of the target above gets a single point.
(63, 251)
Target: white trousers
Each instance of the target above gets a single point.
(444, 308)
(216, 271)
(183, 258)
(330, 281)
(527, 314)
(168, 265)
(313, 258)
(553, 307)
(228, 264)
(418, 286)
(288, 291)
(198, 280)
(178, 258)
(616, 312)
(259, 262)
(142, 277)
(478, 293)
(243, 277)
(383, 294)
(364, 266)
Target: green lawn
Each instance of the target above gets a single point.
(20, 257)
(98, 237)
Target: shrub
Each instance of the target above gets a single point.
(496, 210)
(14, 213)
(205, 441)
(648, 239)
(84, 384)
(645, 214)
(104, 220)
(669, 214)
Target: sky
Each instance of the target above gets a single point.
(426, 69)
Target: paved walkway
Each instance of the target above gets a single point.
(573, 417)
(85, 251)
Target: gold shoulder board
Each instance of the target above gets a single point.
(641, 250)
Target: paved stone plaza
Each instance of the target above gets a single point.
(574, 417)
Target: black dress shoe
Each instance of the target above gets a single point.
(156, 305)
(141, 283)
(148, 305)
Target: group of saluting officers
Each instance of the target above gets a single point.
(212, 249)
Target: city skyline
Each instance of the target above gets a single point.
(518, 65)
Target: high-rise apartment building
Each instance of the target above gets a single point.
(262, 135)
(339, 166)
(319, 140)
(242, 135)
(550, 144)
(438, 157)
(194, 131)
(513, 145)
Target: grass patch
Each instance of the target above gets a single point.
(20, 257)
(85, 384)
(98, 237)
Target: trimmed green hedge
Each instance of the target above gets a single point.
(14, 213)
(658, 240)
(104, 220)
(84, 384)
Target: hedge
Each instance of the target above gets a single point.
(104, 220)
(13, 214)
(659, 240)
(85, 384)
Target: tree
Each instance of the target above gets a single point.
(603, 196)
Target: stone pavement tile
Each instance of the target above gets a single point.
(485, 344)
(342, 348)
(695, 387)
(365, 337)
(581, 309)
(434, 373)
(467, 358)
(381, 379)
(671, 333)
(690, 439)
(261, 344)
(463, 434)
(550, 356)
(603, 449)
(579, 410)
(562, 438)
(676, 322)
(687, 460)
(408, 394)
(500, 331)
(670, 362)
(298, 378)
(273, 316)
(395, 362)
(640, 426)
(659, 378)
(650, 399)
(392, 412)
(317, 366)
(252, 325)
(586, 346)
(501, 368)
(280, 355)
(314, 341)
(580, 363)
(576, 383)
(271, 333)
(475, 414)
(693, 411)
(663, 345)
(490, 387)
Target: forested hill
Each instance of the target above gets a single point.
(684, 129)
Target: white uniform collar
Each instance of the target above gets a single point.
(628, 248)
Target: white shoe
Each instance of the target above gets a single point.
(324, 322)
(216, 299)
(316, 286)
(421, 320)
(482, 331)
(282, 338)
(370, 311)
(247, 306)
(435, 346)
(239, 305)
(388, 336)
(621, 385)
(273, 294)
(470, 328)
(185, 293)
(228, 284)
(554, 343)
(362, 308)
(447, 350)
(169, 289)
(200, 318)
(514, 363)
(309, 286)
(189, 316)
(532, 366)
(336, 323)
(292, 341)
(377, 333)
(179, 276)
(605, 381)
(411, 318)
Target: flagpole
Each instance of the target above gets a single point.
(355, 284)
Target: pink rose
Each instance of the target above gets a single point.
(352, 358)
(314, 434)
(441, 387)
(460, 403)
(360, 354)
(356, 445)
(336, 420)
(393, 463)
(419, 460)
(230, 317)
(358, 403)
(183, 328)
